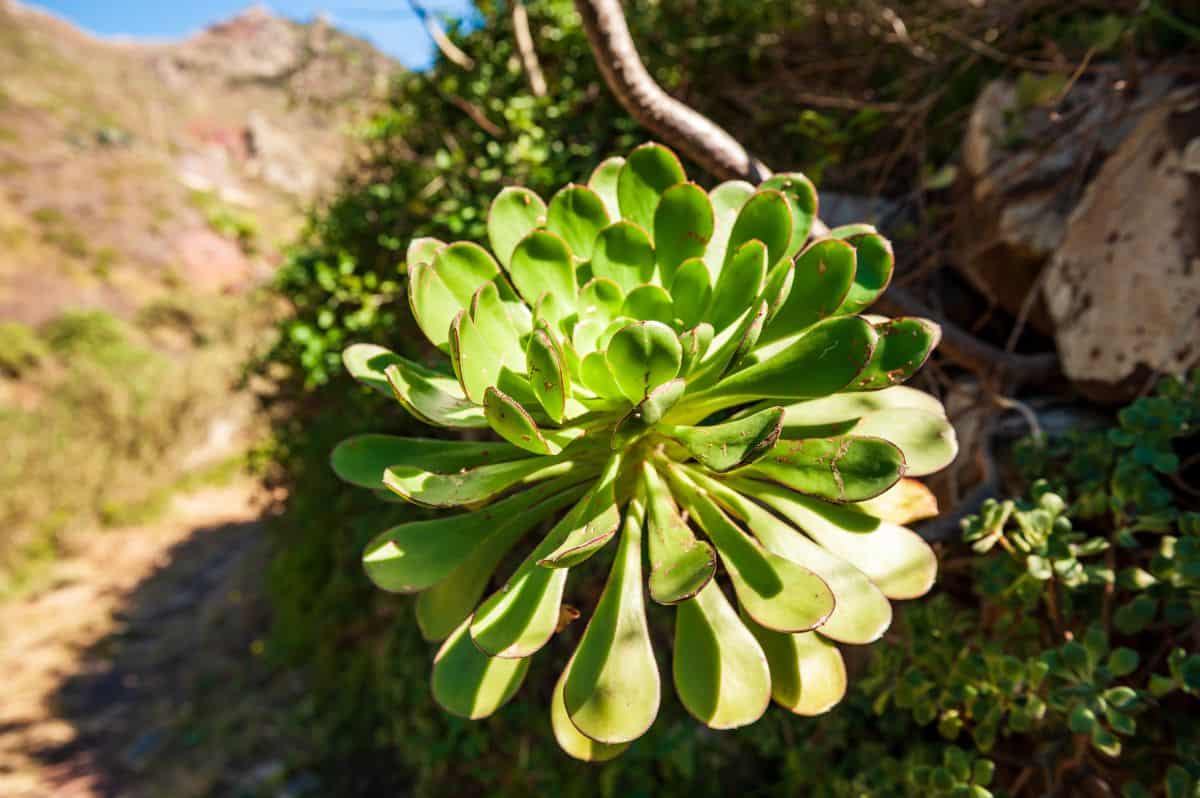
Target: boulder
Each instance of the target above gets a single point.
(1026, 155)
(1123, 285)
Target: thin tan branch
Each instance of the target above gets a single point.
(477, 115)
(529, 56)
(440, 39)
(698, 137)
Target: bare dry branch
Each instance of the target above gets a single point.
(448, 48)
(698, 137)
(529, 57)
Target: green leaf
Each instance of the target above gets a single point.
(475, 362)
(623, 254)
(739, 284)
(601, 299)
(649, 303)
(823, 361)
(1136, 615)
(612, 692)
(598, 378)
(895, 558)
(515, 213)
(875, 263)
(691, 292)
(471, 485)
(695, 343)
(470, 684)
(1081, 720)
(927, 440)
(646, 414)
(491, 317)
(569, 738)
(776, 592)
(445, 605)
(861, 614)
(727, 199)
(439, 291)
(413, 556)
(801, 195)
(366, 363)
(594, 525)
(1121, 697)
(808, 675)
(604, 182)
(766, 216)
(824, 273)
(778, 286)
(423, 250)
(724, 447)
(904, 346)
(729, 349)
(721, 673)
(431, 397)
(680, 565)
(642, 356)
(577, 213)
(844, 469)
(548, 375)
(541, 263)
(362, 459)
(513, 423)
(1178, 782)
(550, 311)
(648, 172)
(847, 231)
(849, 407)
(1122, 662)
(520, 618)
(683, 225)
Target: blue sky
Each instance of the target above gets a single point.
(387, 23)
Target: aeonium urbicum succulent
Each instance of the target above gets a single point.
(683, 376)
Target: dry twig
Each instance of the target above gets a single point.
(529, 57)
(698, 137)
(440, 39)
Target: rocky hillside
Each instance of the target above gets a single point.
(129, 169)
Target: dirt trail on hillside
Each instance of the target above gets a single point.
(132, 674)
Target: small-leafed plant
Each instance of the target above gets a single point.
(682, 374)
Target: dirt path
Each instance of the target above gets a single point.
(130, 674)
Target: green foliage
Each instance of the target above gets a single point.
(104, 405)
(1082, 601)
(577, 361)
(20, 348)
(227, 220)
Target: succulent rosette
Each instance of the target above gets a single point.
(682, 376)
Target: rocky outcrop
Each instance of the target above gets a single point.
(126, 165)
(1025, 162)
(1123, 286)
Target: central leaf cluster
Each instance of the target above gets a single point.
(682, 369)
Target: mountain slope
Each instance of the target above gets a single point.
(129, 169)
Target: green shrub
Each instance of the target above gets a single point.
(20, 348)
